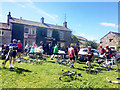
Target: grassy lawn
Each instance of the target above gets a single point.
(27, 75)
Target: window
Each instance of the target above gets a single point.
(33, 30)
(62, 45)
(110, 40)
(1, 33)
(26, 30)
(49, 33)
(61, 35)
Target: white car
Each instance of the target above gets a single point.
(61, 52)
(83, 51)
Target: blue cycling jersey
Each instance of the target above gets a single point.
(14, 46)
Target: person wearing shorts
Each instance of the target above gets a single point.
(13, 52)
(90, 56)
(71, 53)
(19, 49)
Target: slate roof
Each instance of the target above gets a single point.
(38, 24)
(109, 33)
(4, 26)
(82, 38)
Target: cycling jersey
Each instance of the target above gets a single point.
(13, 47)
(109, 52)
(102, 51)
(71, 52)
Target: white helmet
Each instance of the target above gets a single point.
(89, 46)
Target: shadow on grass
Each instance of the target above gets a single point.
(51, 61)
(18, 70)
(80, 69)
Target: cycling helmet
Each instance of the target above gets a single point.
(100, 46)
(18, 41)
(89, 46)
(14, 40)
(71, 45)
(106, 46)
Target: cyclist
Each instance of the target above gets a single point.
(102, 51)
(71, 53)
(13, 51)
(5, 50)
(108, 52)
(19, 49)
(90, 56)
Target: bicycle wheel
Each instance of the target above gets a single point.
(113, 67)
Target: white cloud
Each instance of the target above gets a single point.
(108, 24)
(42, 12)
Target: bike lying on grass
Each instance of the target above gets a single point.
(107, 63)
(68, 73)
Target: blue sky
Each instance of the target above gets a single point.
(91, 20)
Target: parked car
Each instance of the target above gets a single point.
(118, 56)
(83, 51)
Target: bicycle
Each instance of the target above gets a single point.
(108, 63)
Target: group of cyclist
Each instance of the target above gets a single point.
(15, 48)
(9, 52)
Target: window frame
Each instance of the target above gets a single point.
(49, 33)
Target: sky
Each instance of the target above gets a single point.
(91, 20)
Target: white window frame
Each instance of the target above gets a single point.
(62, 44)
(33, 29)
(2, 32)
(61, 34)
(49, 33)
(27, 28)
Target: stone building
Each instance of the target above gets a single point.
(82, 41)
(33, 32)
(5, 34)
(112, 39)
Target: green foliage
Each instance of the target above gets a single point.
(41, 33)
(55, 35)
(18, 32)
(75, 39)
(93, 44)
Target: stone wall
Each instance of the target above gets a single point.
(6, 37)
(111, 39)
(67, 37)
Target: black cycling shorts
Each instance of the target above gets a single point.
(72, 58)
(13, 54)
(19, 50)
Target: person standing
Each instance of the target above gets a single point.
(55, 51)
(19, 44)
(90, 56)
(71, 53)
(108, 52)
(13, 52)
(102, 51)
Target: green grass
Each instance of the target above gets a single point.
(46, 76)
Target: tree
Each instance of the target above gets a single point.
(93, 44)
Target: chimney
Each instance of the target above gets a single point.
(8, 17)
(42, 20)
(65, 24)
(20, 18)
